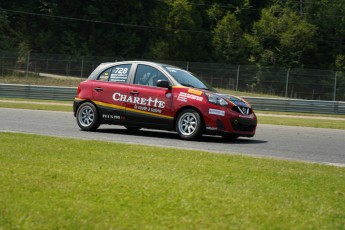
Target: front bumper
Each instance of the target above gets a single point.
(243, 124)
(232, 123)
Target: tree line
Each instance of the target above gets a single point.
(290, 33)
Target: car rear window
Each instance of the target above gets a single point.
(116, 74)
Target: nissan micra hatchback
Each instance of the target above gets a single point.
(138, 94)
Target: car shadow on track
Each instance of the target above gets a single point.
(147, 133)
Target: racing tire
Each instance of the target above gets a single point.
(132, 128)
(189, 125)
(87, 117)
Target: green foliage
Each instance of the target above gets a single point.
(215, 13)
(329, 18)
(184, 32)
(270, 32)
(227, 39)
(23, 53)
(56, 183)
(5, 31)
(340, 62)
(280, 37)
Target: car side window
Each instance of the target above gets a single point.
(116, 74)
(120, 73)
(104, 76)
(147, 75)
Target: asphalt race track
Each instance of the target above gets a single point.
(296, 143)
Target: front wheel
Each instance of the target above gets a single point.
(87, 117)
(189, 124)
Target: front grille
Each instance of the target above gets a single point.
(242, 124)
(242, 110)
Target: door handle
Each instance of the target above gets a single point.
(99, 89)
(134, 92)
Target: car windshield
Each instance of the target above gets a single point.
(186, 78)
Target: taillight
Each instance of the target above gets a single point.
(78, 90)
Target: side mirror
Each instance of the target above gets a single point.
(163, 84)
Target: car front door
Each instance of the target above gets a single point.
(109, 92)
(148, 105)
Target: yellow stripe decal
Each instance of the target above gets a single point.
(129, 109)
(179, 87)
(109, 105)
(148, 113)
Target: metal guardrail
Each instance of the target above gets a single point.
(37, 92)
(296, 105)
(259, 103)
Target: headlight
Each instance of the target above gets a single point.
(215, 99)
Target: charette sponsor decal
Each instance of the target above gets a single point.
(140, 103)
(216, 112)
(139, 100)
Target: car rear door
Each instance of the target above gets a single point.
(148, 105)
(109, 93)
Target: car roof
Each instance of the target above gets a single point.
(106, 65)
(133, 62)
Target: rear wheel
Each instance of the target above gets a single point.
(189, 124)
(87, 117)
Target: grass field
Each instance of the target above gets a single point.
(302, 122)
(55, 183)
(39, 80)
(63, 106)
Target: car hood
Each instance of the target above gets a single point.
(237, 101)
(234, 100)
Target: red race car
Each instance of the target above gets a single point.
(139, 94)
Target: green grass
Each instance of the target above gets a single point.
(35, 100)
(55, 183)
(302, 122)
(39, 80)
(63, 108)
(263, 112)
(243, 94)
